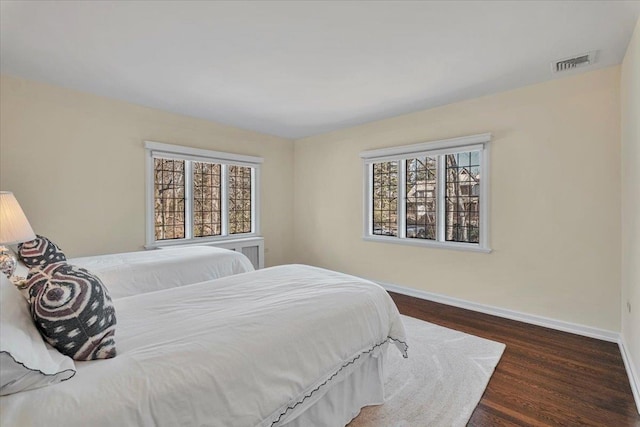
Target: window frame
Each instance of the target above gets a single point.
(169, 151)
(438, 149)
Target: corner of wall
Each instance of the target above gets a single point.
(630, 212)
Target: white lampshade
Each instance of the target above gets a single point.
(14, 226)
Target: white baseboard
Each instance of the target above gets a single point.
(546, 322)
(634, 379)
(574, 328)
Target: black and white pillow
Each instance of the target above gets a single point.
(40, 251)
(72, 310)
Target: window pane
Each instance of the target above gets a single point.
(239, 199)
(462, 192)
(206, 200)
(385, 198)
(168, 199)
(421, 198)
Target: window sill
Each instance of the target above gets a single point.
(469, 247)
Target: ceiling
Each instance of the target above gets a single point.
(295, 69)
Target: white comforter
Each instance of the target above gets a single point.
(126, 274)
(235, 351)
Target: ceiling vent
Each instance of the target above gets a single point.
(574, 62)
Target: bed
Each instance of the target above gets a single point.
(290, 345)
(131, 273)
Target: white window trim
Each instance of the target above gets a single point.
(437, 148)
(160, 149)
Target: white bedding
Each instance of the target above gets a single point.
(236, 351)
(131, 273)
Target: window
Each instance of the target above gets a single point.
(200, 195)
(432, 194)
(385, 199)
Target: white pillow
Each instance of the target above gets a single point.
(26, 361)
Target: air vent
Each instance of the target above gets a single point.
(578, 61)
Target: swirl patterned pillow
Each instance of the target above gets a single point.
(72, 310)
(40, 251)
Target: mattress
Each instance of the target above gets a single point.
(252, 349)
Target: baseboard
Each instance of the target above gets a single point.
(574, 328)
(634, 379)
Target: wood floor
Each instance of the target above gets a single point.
(545, 377)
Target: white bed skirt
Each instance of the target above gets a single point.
(340, 400)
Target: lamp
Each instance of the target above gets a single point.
(14, 228)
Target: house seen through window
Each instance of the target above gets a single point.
(431, 193)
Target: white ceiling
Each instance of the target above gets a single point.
(295, 69)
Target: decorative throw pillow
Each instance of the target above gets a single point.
(40, 251)
(73, 311)
(26, 361)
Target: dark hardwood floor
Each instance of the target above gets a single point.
(545, 377)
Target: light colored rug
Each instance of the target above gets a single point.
(441, 382)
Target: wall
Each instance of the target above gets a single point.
(555, 201)
(76, 164)
(630, 90)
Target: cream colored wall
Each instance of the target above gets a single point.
(555, 201)
(555, 195)
(630, 90)
(76, 164)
